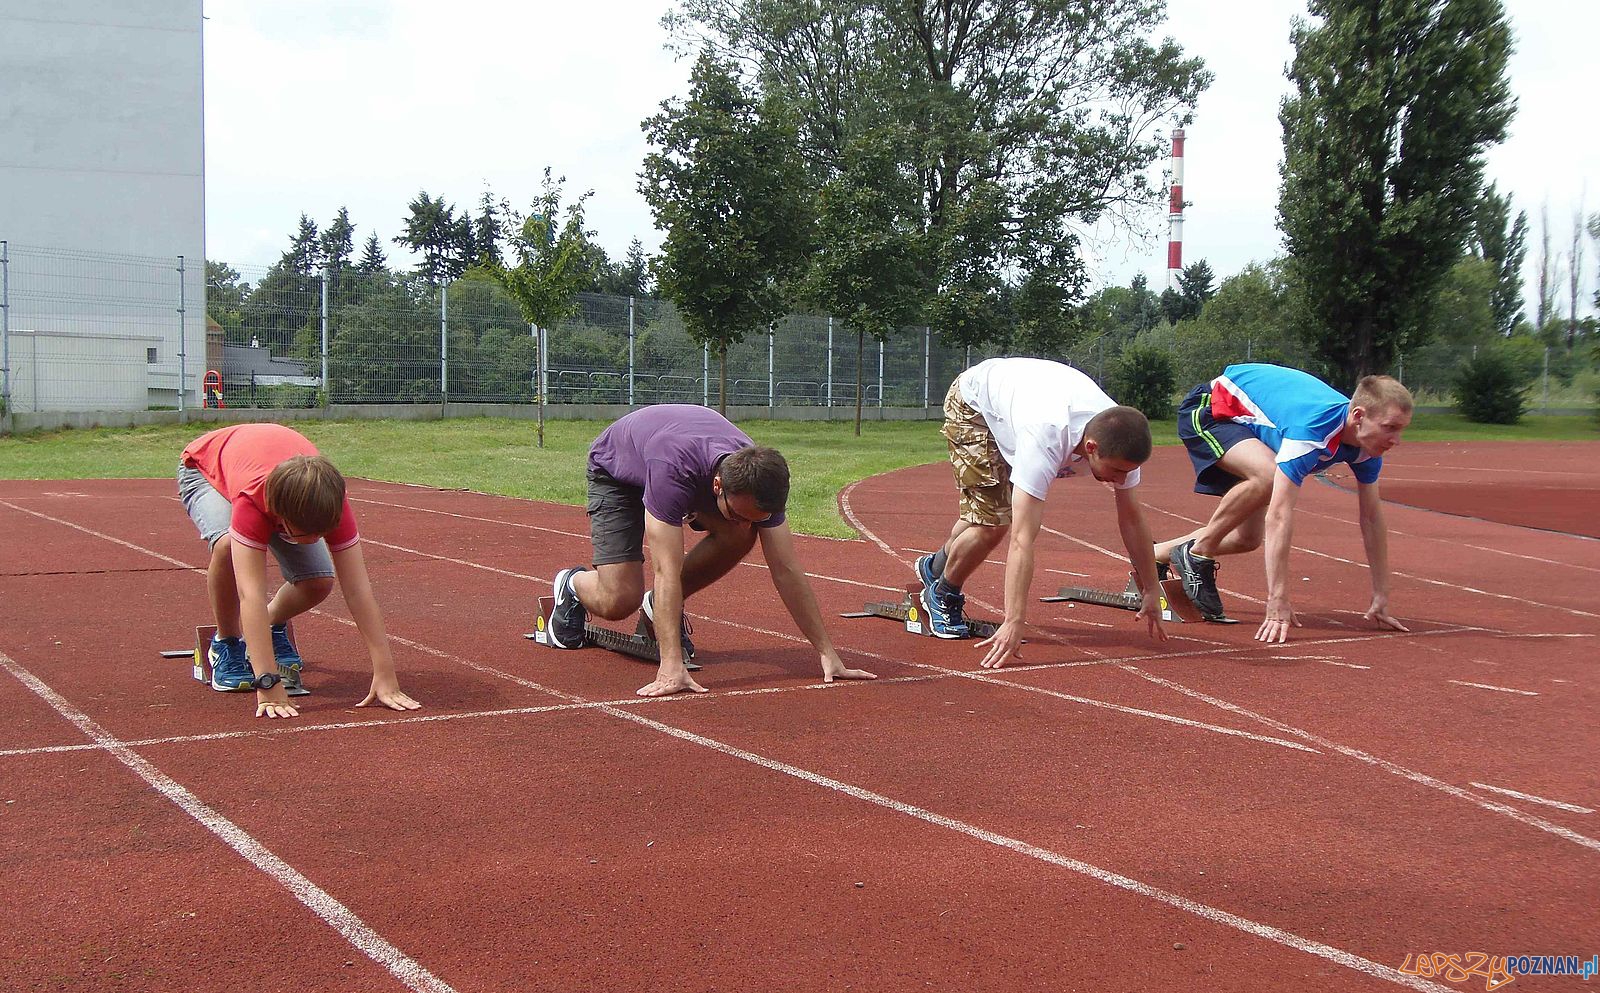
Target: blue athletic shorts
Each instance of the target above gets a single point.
(1207, 439)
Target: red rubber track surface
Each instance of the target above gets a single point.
(1549, 486)
(1298, 816)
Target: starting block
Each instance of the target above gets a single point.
(201, 672)
(639, 645)
(909, 612)
(1176, 607)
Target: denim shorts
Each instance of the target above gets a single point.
(212, 513)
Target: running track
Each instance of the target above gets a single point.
(1109, 814)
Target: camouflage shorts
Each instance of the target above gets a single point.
(982, 473)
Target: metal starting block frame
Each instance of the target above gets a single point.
(198, 656)
(638, 645)
(909, 612)
(1176, 607)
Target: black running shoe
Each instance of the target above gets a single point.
(1199, 577)
(568, 618)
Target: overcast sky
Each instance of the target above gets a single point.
(316, 104)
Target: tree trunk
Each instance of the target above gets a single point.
(860, 345)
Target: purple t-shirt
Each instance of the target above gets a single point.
(671, 451)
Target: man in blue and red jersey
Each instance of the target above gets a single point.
(1254, 434)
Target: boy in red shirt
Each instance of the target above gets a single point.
(252, 487)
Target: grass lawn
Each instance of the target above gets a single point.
(496, 455)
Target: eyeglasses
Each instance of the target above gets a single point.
(728, 511)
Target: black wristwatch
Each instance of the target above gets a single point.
(266, 681)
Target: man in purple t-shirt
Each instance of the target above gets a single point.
(653, 473)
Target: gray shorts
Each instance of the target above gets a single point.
(212, 513)
(616, 519)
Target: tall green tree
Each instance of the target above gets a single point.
(548, 274)
(1395, 103)
(1035, 119)
(868, 270)
(1501, 242)
(443, 239)
(372, 258)
(727, 185)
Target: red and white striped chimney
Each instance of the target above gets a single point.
(1175, 213)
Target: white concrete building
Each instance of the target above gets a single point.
(102, 189)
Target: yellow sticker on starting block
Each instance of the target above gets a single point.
(911, 615)
(538, 624)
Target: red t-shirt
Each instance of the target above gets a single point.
(237, 460)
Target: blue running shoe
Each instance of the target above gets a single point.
(925, 572)
(283, 650)
(944, 607)
(648, 608)
(230, 666)
(568, 618)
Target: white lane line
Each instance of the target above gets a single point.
(1327, 952)
(1571, 808)
(1234, 708)
(1394, 768)
(335, 914)
(1453, 543)
(1407, 575)
(1347, 665)
(277, 729)
(1123, 559)
(467, 517)
(1497, 689)
(832, 579)
(1204, 911)
(1068, 572)
(501, 674)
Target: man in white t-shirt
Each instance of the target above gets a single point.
(1015, 426)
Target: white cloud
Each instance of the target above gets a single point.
(312, 105)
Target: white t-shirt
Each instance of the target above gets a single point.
(1036, 410)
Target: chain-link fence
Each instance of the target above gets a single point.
(97, 331)
(87, 332)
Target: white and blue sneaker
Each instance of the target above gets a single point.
(230, 665)
(569, 616)
(925, 571)
(944, 607)
(648, 608)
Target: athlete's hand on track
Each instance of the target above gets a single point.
(1379, 613)
(1150, 613)
(1280, 615)
(1003, 645)
(275, 703)
(387, 692)
(833, 668)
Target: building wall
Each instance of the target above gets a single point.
(102, 153)
(66, 371)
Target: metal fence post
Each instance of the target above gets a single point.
(705, 375)
(444, 348)
(183, 337)
(771, 385)
(630, 351)
(1544, 378)
(5, 328)
(1400, 373)
(968, 363)
(880, 372)
(325, 388)
(830, 361)
(927, 349)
